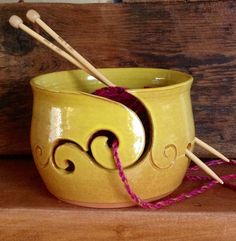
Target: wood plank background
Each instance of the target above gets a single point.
(197, 37)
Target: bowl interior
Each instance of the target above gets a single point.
(132, 78)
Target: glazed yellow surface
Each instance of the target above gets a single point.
(72, 154)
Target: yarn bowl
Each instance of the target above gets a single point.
(71, 128)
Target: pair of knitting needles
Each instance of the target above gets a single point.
(79, 61)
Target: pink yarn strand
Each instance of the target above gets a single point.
(169, 201)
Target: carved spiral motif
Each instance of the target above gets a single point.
(170, 153)
(168, 157)
(99, 153)
(66, 153)
(39, 154)
(61, 157)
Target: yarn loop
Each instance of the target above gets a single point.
(120, 95)
(181, 197)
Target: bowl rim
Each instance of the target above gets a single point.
(187, 82)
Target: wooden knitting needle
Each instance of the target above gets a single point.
(34, 17)
(203, 166)
(17, 22)
(210, 149)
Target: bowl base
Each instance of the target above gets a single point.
(114, 205)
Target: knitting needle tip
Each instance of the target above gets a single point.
(32, 15)
(210, 149)
(203, 166)
(15, 21)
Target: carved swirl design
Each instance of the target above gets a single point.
(170, 153)
(168, 158)
(38, 151)
(39, 154)
(99, 153)
(67, 149)
(61, 156)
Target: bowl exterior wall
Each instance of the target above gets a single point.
(76, 164)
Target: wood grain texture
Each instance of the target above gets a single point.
(29, 212)
(197, 37)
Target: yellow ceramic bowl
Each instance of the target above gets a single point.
(71, 151)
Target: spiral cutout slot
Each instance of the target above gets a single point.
(100, 148)
(60, 155)
(122, 96)
(70, 166)
(95, 141)
(67, 153)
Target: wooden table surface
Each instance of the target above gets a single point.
(29, 212)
